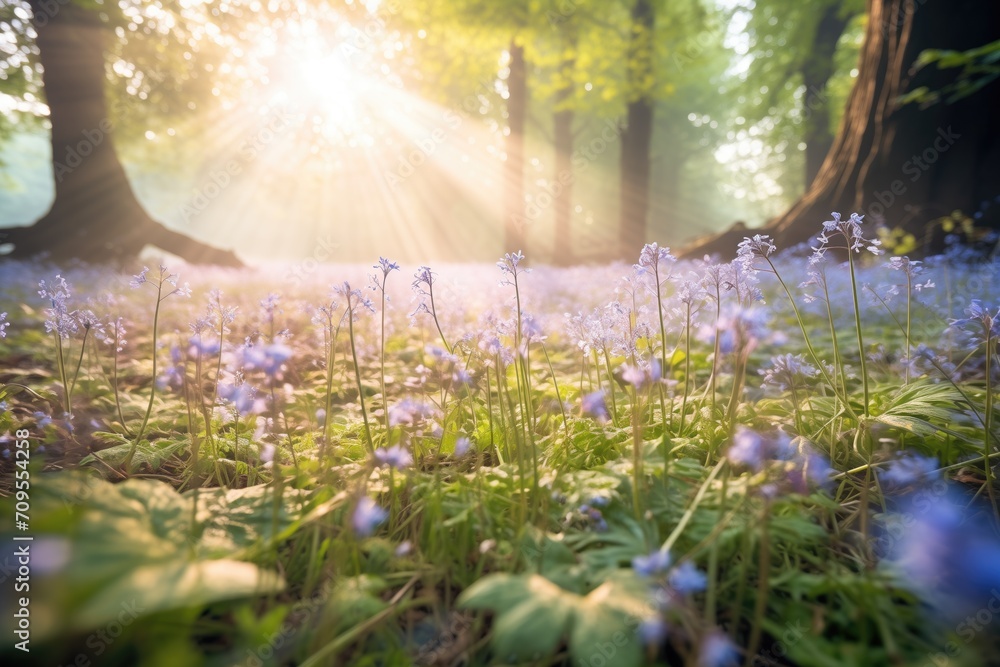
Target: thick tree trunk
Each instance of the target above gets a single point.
(903, 165)
(817, 68)
(517, 109)
(562, 122)
(637, 136)
(95, 216)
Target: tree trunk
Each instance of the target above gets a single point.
(637, 135)
(95, 216)
(517, 108)
(903, 165)
(817, 68)
(563, 185)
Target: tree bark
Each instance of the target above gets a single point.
(95, 216)
(517, 107)
(902, 165)
(817, 68)
(562, 121)
(637, 135)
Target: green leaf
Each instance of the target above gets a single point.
(178, 584)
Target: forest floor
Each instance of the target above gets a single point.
(781, 460)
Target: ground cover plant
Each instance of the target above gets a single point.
(785, 459)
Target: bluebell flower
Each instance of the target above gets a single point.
(268, 358)
(655, 259)
(409, 412)
(951, 555)
(42, 419)
(910, 468)
(717, 651)
(242, 397)
(593, 404)
(198, 347)
(367, 517)
(748, 448)
(58, 318)
(851, 232)
(813, 470)
(787, 370)
(655, 563)
(633, 375)
(652, 631)
(386, 266)
(396, 457)
(686, 578)
(509, 265)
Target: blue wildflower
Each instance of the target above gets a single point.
(717, 651)
(686, 579)
(462, 446)
(910, 469)
(394, 457)
(3, 325)
(367, 517)
(593, 404)
(652, 631)
(655, 563)
(748, 448)
(242, 397)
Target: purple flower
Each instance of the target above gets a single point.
(462, 446)
(652, 256)
(203, 348)
(394, 457)
(852, 233)
(508, 264)
(423, 280)
(748, 448)
(270, 359)
(815, 470)
(686, 578)
(786, 369)
(910, 469)
(367, 517)
(139, 279)
(593, 404)
(42, 420)
(409, 412)
(386, 266)
(242, 397)
(58, 317)
(717, 651)
(950, 553)
(3, 325)
(652, 631)
(655, 563)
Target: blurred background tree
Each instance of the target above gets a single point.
(574, 129)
